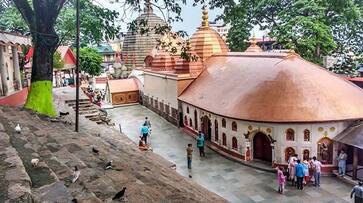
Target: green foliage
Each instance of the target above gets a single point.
(58, 62)
(11, 20)
(97, 23)
(313, 28)
(90, 61)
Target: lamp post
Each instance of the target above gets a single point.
(77, 66)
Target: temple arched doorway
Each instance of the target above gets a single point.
(206, 128)
(262, 147)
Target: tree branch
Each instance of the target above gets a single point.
(26, 11)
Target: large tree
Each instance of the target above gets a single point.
(90, 61)
(41, 18)
(97, 23)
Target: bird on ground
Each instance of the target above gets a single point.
(18, 128)
(34, 162)
(190, 176)
(94, 150)
(76, 173)
(173, 166)
(120, 194)
(109, 165)
(74, 200)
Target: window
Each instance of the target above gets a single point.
(190, 122)
(216, 130)
(288, 153)
(223, 123)
(185, 120)
(234, 126)
(187, 109)
(306, 154)
(290, 134)
(234, 143)
(307, 135)
(195, 120)
(224, 139)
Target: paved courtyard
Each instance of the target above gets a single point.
(231, 180)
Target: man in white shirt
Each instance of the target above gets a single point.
(317, 171)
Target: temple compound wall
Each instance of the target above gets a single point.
(270, 142)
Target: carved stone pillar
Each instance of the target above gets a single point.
(3, 72)
(14, 51)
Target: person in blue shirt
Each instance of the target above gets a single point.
(200, 144)
(299, 172)
(145, 132)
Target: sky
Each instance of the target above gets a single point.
(192, 16)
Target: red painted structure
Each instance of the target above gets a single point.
(16, 99)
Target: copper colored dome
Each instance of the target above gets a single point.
(163, 61)
(206, 41)
(273, 87)
(194, 68)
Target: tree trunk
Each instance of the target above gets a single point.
(40, 97)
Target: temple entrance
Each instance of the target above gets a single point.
(262, 147)
(207, 128)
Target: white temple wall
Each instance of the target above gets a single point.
(277, 131)
(163, 89)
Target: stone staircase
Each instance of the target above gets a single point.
(87, 109)
(146, 175)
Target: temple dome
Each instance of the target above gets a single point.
(136, 45)
(273, 87)
(206, 41)
(163, 61)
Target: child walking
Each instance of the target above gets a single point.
(281, 180)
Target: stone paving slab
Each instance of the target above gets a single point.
(231, 180)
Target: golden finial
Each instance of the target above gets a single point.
(253, 40)
(205, 22)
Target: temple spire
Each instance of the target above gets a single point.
(253, 45)
(205, 22)
(147, 7)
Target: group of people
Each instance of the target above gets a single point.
(300, 173)
(200, 145)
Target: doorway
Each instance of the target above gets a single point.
(206, 128)
(262, 147)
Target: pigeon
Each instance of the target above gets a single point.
(18, 128)
(173, 166)
(120, 194)
(34, 162)
(94, 150)
(109, 165)
(63, 114)
(76, 174)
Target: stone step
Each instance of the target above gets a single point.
(74, 101)
(88, 112)
(15, 182)
(93, 115)
(81, 105)
(88, 106)
(60, 160)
